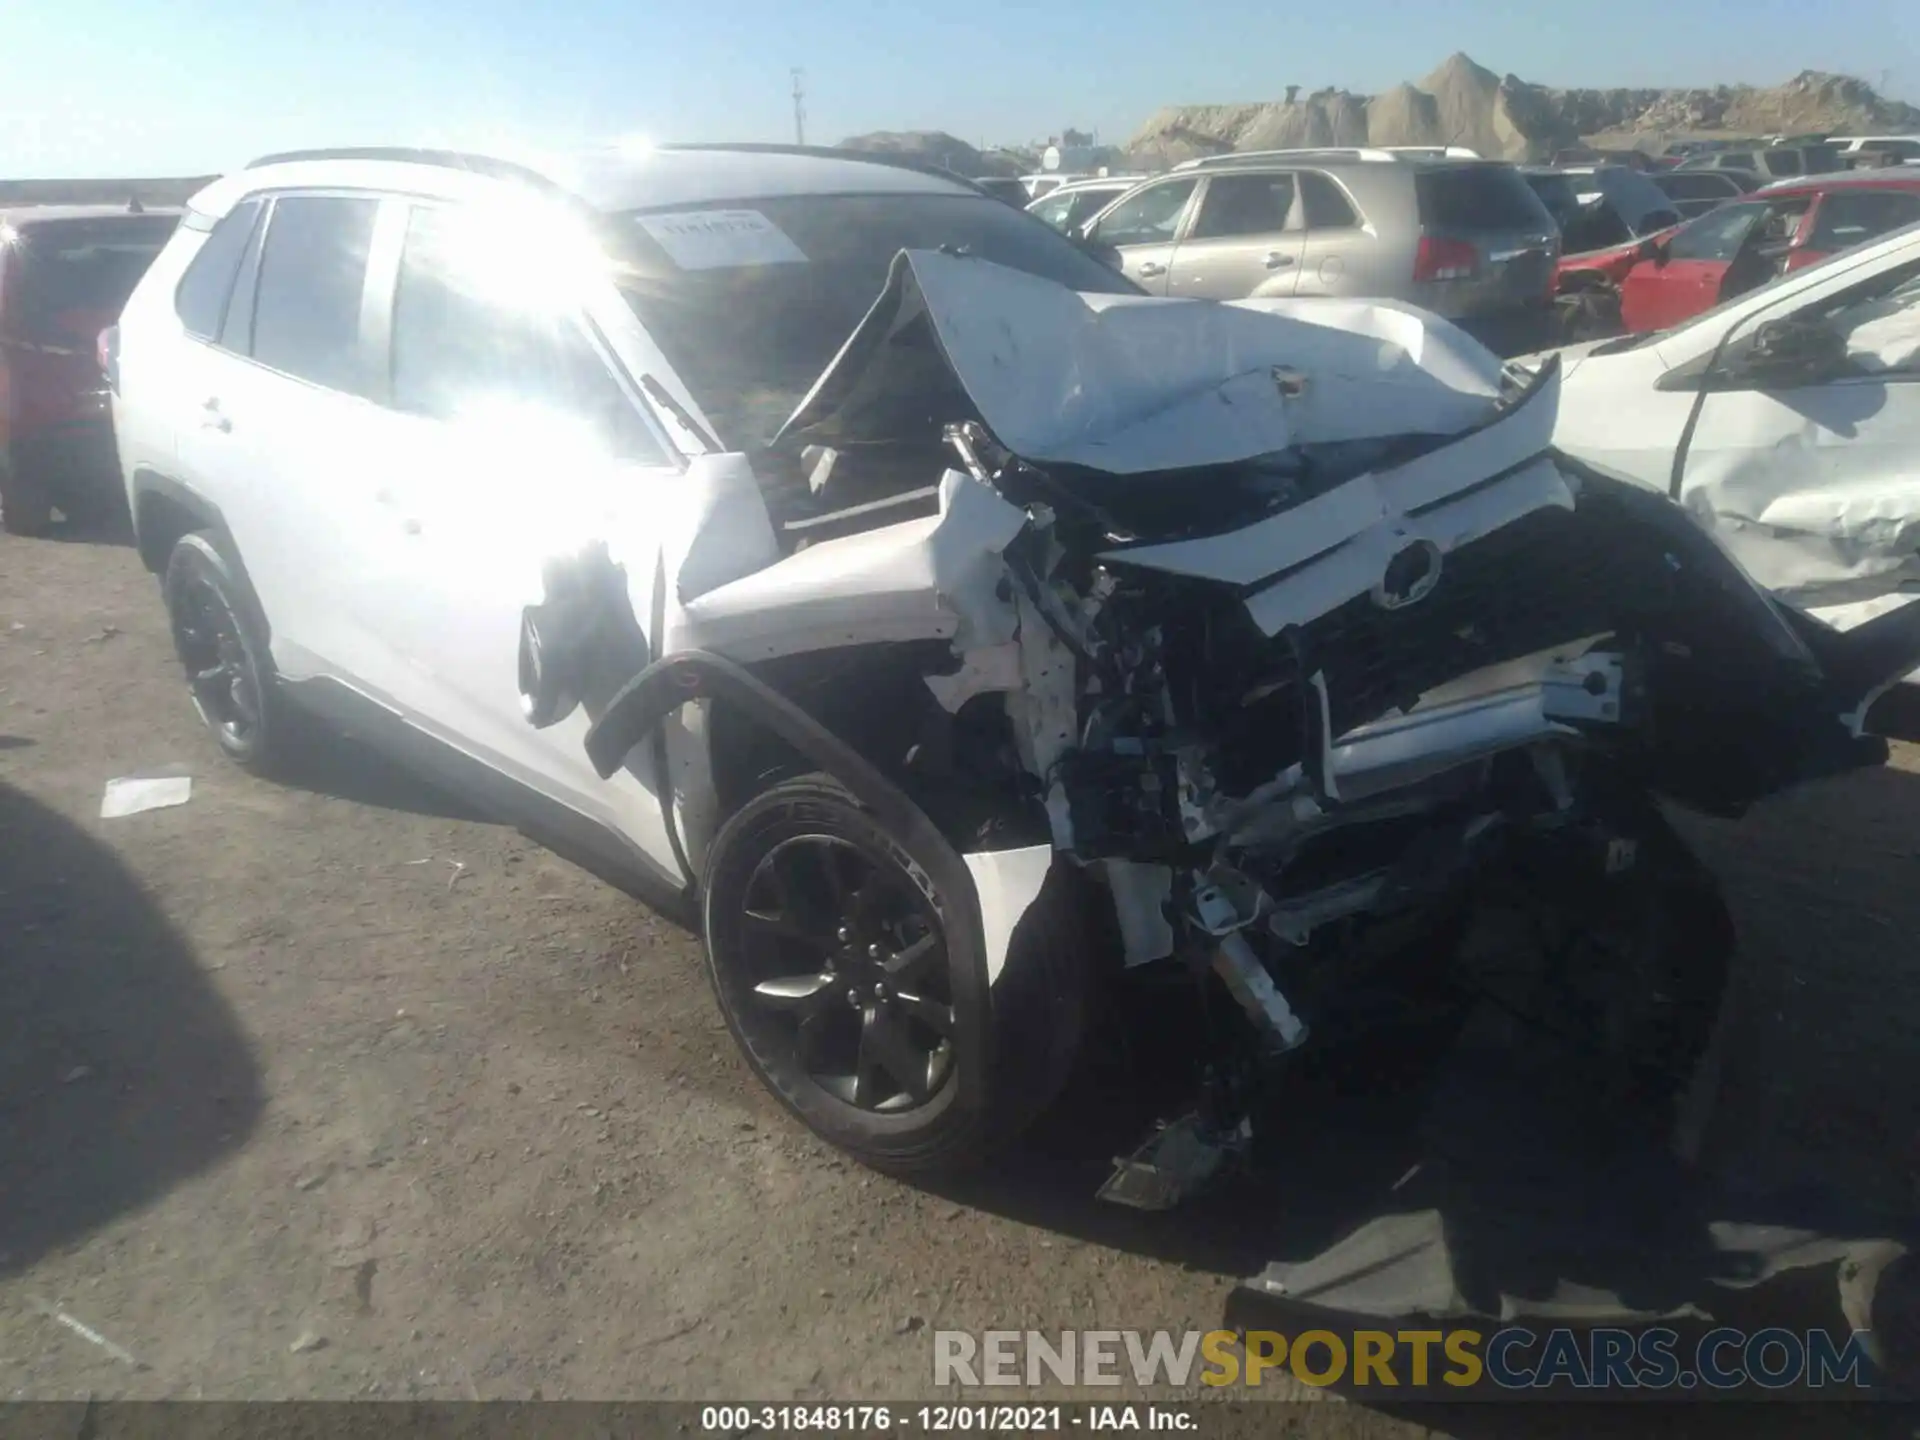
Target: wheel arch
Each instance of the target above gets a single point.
(164, 510)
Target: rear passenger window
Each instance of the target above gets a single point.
(1849, 216)
(306, 317)
(1327, 207)
(471, 338)
(201, 299)
(1237, 205)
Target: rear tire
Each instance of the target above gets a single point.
(230, 674)
(826, 947)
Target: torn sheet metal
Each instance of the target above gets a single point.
(1355, 530)
(1134, 384)
(1008, 882)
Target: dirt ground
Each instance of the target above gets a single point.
(333, 1091)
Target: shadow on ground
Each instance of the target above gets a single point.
(122, 1072)
(330, 763)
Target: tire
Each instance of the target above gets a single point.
(815, 1015)
(230, 674)
(26, 506)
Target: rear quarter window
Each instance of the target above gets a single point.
(1479, 197)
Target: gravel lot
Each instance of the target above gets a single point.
(336, 1091)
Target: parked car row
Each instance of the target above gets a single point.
(1662, 279)
(1439, 227)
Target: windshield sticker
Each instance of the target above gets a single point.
(721, 239)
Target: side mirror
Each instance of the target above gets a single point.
(1788, 352)
(1651, 249)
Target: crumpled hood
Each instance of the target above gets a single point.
(1133, 384)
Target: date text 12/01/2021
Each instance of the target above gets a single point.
(942, 1419)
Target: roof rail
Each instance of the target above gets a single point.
(489, 165)
(496, 168)
(1378, 154)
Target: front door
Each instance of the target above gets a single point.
(1143, 226)
(1243, 238)
(1661, 292)
(509, 438)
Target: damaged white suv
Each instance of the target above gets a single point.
(859, 569)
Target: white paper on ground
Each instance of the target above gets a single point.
(130, 794)
(721, 239)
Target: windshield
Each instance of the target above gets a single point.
(749, 339)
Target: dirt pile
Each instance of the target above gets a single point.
(1464, 103)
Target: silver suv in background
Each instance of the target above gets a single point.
(1464, 238)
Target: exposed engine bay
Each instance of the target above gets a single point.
(1281, 621)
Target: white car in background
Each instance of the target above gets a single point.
(1070, 206)
(1787, 421)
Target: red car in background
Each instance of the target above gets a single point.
(65, 271)
(1779, 228)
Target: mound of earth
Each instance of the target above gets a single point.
(1505, 117)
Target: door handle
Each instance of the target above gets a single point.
(1150, 268)
(211, 418)
(1277, 261)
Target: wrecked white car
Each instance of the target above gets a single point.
(1786, 421)
(849, 563)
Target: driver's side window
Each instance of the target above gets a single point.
(471, 339)
(1149, 216)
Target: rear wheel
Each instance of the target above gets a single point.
(26, 506)
(230, 675)
(827, 946)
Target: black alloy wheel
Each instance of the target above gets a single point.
(829, 951)
(225, 690)
(229, 676)
(849, 966)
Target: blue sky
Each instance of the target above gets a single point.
(125, 87)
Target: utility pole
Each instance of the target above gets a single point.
(799, 107)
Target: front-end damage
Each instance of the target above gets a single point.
(1296, 640)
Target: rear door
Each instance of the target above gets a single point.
(1341, 255)
(283, 420)
(1245, 236)
(1144, 227)
(1658, 293)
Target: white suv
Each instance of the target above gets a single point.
(852, 564)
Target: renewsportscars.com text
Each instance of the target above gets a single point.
(1512, 1358)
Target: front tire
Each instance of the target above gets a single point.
(230, 675)
(826, 945)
